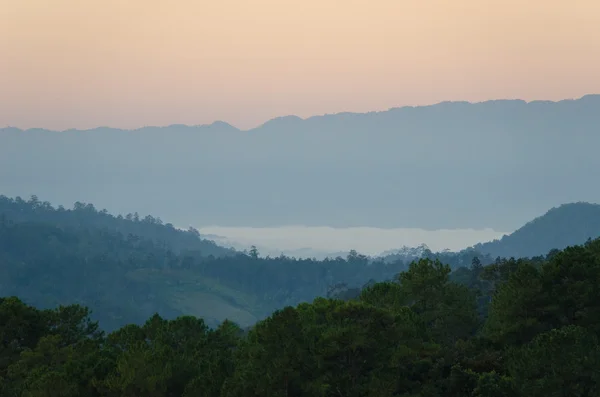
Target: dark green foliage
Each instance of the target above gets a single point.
(50, 257)
(562, 291)
(561, 362)
(418, 335)
(514, 327)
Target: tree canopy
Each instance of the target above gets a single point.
(418, 334)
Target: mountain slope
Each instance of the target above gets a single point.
(52, 256)
(123, 279)
(563, 226)
(450, 165)
(86, 216)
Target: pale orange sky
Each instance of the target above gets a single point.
(129, 63)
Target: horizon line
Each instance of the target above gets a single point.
(221, 122)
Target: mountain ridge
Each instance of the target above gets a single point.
(448, 166)
(566, 225)
(295, 118)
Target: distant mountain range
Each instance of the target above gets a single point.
(452, 165)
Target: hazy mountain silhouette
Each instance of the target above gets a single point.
(451, 165)
(563, 226)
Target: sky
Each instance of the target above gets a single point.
(82, 64)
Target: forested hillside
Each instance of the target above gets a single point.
(563, 226)
(86, 216)
(515, 328)
(125, 269)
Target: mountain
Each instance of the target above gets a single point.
(126, 269)
(87, 216)
(451, 165)
(563, 226)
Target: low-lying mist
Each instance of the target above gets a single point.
(303, 241)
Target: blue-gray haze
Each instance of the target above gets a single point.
(495, 164)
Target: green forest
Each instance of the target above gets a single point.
(515, 328)
(98, 305)
(126, 268)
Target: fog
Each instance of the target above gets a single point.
(303, 241)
